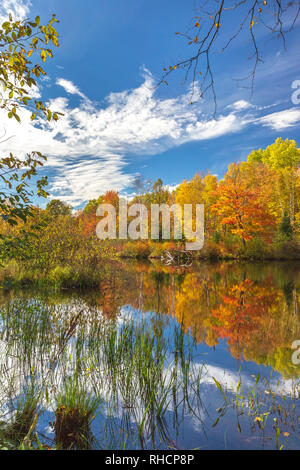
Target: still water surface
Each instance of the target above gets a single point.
(231, 324)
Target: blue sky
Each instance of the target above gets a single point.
(118, 124)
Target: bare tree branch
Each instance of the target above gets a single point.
(277, 17)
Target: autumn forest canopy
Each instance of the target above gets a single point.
(253, 212)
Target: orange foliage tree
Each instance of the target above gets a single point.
(239, 206)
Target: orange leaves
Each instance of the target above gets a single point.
(243, 310)
(111, 197)
(239, 205)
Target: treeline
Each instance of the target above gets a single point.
(253, 212)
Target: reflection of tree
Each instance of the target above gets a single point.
(255, 308)
(255, 317)
(193, 304)
(241, 315)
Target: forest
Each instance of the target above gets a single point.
(252, 213)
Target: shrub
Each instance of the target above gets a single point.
(256, 248)
(61, 275)
(138, 249)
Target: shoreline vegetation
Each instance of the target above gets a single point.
(253, 213)
(14, 276)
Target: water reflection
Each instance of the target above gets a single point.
(255, 307)
(206, 330)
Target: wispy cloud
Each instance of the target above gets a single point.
(240, 105)
(89, 147)
(69, 87)
(282, 119)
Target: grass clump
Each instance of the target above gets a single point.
(17, 433)
(75, 411)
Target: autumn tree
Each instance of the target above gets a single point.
(238, 206)
(199, 190)
(283, 157)
(91, 206)
(56, 207)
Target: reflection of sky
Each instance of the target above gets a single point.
(192, 431)
(218, 360)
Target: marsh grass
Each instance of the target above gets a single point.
(122, 383)
(17, 432)
(75, 410)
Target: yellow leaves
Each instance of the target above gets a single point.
(258, 418)
(251, 24)
(218, 25)
(197, 24)
(259, 10)
(165, 82)
(286, 434)
(30, 53)
(43, 55)
(55, 41)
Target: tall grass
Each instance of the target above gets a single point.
(123, 383)
(78, 360)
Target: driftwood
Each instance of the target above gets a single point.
(178, 257)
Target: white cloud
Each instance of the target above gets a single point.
(281, 120)
(88, 148)
(241, 105)
(69, 87)
(18, 8)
